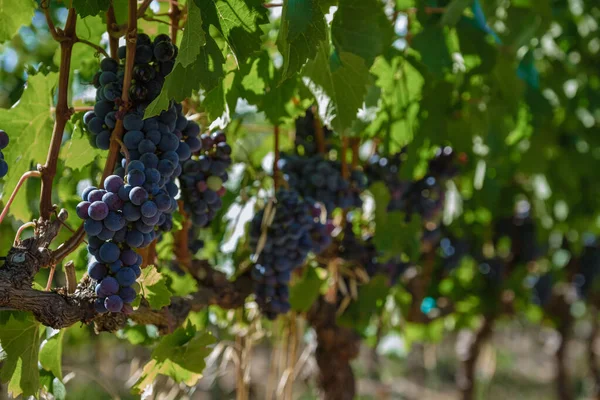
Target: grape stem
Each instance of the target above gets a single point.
(26, 175)
(63, 113)
(272, 5)
(98, 49)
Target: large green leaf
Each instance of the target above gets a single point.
(362, 28)
(371, 299)
(303, 29)
(90, 7)
(238, 21)
(306, 291)
(394, 235)
(454, 10)
(77, 152)
(341, 80)
(13, 15)
(431, 44)
(51, 354)
(193, 36)
(29, 126)
(20, 341)
(180, 356)
(154, 288)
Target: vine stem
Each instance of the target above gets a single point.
(319, 133)
(26, 175)
(355, 155)
(276, 158)
(143, 7)
(63, 112)
(174, 13)
(113, 42)
(466, 382)
(117, 133)
(272, 5)
(345, 170)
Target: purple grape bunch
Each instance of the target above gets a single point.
(321, 179)
(203, 176)
(115, 270)
(289, 239)
(154, 60)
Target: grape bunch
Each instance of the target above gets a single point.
(115, 271)
(362, 251)
(153, 62)
(3, 164)
(321, 180)
(203, 176)
(424, 196)
(306, 136)
(285, 245)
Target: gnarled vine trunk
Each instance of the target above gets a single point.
(336, 348)
(469, 355)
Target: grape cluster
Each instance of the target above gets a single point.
(306, 137)
(115, 270)
(203, 176)
(286, 243)
(137, 202)
(3, 164)
(153, 62)
(321, 180)
(424, 196)
(363, 252)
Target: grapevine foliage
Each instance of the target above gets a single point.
(402, 169)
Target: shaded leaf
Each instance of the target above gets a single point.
(20, 341)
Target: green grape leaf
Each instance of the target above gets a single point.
(259, 83)
(179, 85)
(372, 298)
(454, 10)
(154, 288)
(393, 234)
(193, 36)
(78, 153)
(51, 354)
(238, 21)
(29, 126)
(13, 15)
(342, 80)
(20, 341)
(120, 7)
(303, 30)
(90, 7)
(431, 44)
(306, 291)
(180, 356)
(361, 27)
